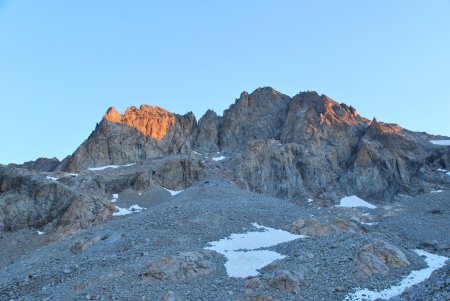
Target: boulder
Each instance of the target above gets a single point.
(180, 266)
(377, 258)
(287, 280)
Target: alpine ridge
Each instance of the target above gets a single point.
(280, 198)
(307, 145)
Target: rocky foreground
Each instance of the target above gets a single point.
(250, 205)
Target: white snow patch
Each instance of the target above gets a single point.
(433, 261)
(220, 158)
(197, 153)
(40, 233)
(310, 200)
(52, 178)
(139, 193)
(73, 174)
(436, 191)
(369, 224)
(242, 264)
(136, 208)
(173, 192)
(445, 171)
(440, 142)
(125, 211)
(109, 166)
(354, 201)
(115, 197)
(243, 253)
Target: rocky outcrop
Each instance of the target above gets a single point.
(208, 133)
(181, 266)
(136, 135)
(31, 199)
(40, 164)
(84, 212)
(259, 115)
(313, 227)
(151, 121)
(287, 280)
(179, 174)
(378, 258)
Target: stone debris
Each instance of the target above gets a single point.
(181, 266)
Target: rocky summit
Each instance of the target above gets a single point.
(280, 198)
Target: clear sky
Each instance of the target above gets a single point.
(63, 63)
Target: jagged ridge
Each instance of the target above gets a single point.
(307, 145)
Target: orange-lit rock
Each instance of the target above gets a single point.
(112, 115)
(151, 121)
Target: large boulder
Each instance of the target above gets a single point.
(377, 258)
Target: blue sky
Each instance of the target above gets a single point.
(63, 63)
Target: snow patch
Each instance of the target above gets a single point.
(115, 197)
(125, 211)
(444, 171)
(242, 264)
(173, 192)
(109, 166)
(220, 158)
(354, 201)
(433, 261)
(52, 178)
(243, 253)
(197, 153)
(40, 233)
(310, 200)
(369, 224)
(441, 142)
(436, 191)
(73, 175)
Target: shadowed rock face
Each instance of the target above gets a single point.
(30, 199)
(259, 115)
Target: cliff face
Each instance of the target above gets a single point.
(307, 145)
(151, 121)
(136, 135)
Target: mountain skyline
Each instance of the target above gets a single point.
(63, 65)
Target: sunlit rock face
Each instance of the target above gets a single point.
(151, 121)
(137, 134)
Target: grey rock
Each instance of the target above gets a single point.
(28, 198)
(208, 133)
(312, 227)
(40, 164)
(181, 266)
(117, 144)
(377, 258)
(180, 173)
(287, 280)
(259, 115)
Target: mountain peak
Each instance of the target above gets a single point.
(152, 121)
